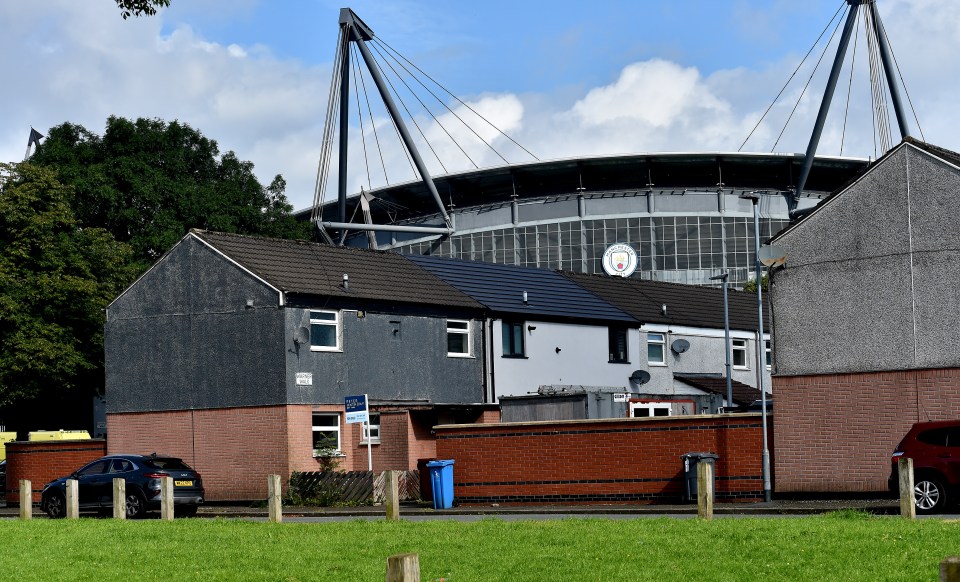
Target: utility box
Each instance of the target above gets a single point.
(690, 462)
(59, 435)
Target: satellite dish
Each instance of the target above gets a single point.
(302, 335)
(679, 346)
(640, 376)
(771, 255)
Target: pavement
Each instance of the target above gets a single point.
(775, 507)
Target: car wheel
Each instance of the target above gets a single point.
(136, 506)
(187, 511)
(55, 505)
(929, 495)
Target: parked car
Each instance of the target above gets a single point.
(935, 450)
(142, 475)
(3, 477)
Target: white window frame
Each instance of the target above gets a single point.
(651, 406)
(767, 355)
(336, 323)
(739, 345)
(662, 342)
(371, 430)
(466, 331)
(326, 428)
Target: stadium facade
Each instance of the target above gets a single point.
(681, 212)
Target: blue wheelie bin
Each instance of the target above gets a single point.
(441, 478)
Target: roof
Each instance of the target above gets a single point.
(717, 384)
(688, 305)
(501, 289)
(305, 268)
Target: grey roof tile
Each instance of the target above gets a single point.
(717, 384)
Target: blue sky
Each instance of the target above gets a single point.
(564, 78)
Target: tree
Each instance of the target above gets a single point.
(751, 285)
(148, 182)
(56, 278)
(130, 8)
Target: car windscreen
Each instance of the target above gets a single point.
(169, 464)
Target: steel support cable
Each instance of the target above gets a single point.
(877, 88)
(853, 63)
(373, 125)
(434, 81)
(363, 135)
(400, 99)
(333, 101)
(427, 109)
(883, 31)
(795, 71)
(807, 85)
(394, 122)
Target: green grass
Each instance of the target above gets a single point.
(843, 546)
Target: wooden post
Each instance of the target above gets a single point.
(950, 569)
(403, 568)
(26, 499)
(73, 499)
(705, 490)
(166, 498)
(908, 507)
(119, 498)
(392, 492)
(274, 504)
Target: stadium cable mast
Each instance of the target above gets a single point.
(355, 33)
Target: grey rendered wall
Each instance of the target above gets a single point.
(409, 365)
(183, 337)
(871, 281)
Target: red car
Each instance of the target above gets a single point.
(935, 450)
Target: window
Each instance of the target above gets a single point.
(656, 349)
(94, 468)
(371, 430)
(647, 409)
(512, 339)
(324, 331)
(326, 434)
(618, 345)
(739, 353)
(458, 338)
(769, 354)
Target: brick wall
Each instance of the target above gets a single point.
(835, 432)
(44, 461)
(600, 461)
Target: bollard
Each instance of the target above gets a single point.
(73, 499)
(393, 495)
(274, 504)
(26, 499)
(705, 490)
(166, 498)
(950, 569)
(119, 498)
(403, 568)
(908, 507)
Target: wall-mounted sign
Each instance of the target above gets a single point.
(304, 379)
(620, 260)
(620, 397)
(356, 408)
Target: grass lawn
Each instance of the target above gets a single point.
(809, 548)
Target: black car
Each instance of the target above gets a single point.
(142, 474)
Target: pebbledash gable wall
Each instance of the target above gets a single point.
(601, 461)
(843, 427)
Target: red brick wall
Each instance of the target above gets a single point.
(600, 461)
(835, 432)
(44, 461)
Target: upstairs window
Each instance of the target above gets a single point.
(325, 331)
(458, 338)
(618, 345)
(656, 349)
(739, 347)
(512, 339)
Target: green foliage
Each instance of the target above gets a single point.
(849, 513)
(148, 182)
(751, 285)
(306, 491)
(130, 8)
(55, 279)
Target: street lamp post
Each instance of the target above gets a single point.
(754, 198)
(726, 333)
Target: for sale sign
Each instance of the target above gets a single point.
(356, 408)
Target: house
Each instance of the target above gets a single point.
(866, 322)
(236, 352)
